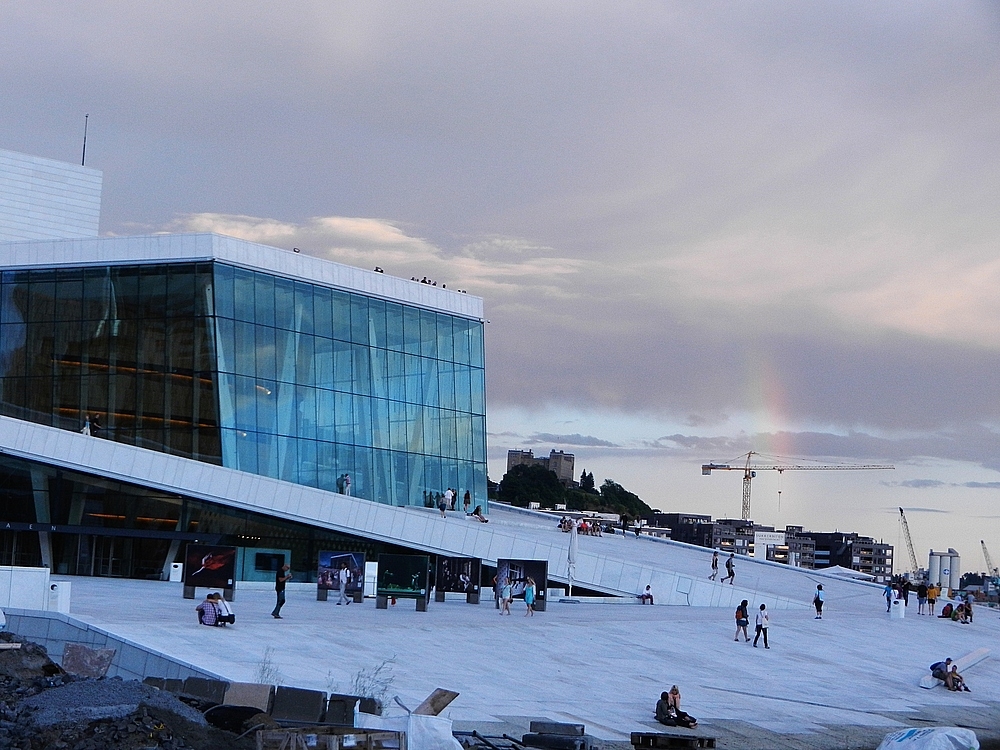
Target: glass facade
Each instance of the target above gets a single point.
(85, 525)
(260, 373)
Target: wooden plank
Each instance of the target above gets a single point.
(436, 702)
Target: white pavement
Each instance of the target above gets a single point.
(603, 665)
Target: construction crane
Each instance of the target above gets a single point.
(750, 470)
(990, 570)
(909, 541)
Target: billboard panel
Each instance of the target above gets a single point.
(210, 566)
(330, 564)
(403, 576)
(457, 574)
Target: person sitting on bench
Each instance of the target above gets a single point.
(646, 597)
(947, 672)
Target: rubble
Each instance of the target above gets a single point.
(42, 707)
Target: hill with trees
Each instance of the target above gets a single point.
(535, 484)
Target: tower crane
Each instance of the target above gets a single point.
(750, 470)
(908, 540)
(990, 570)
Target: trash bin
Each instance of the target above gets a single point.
(898, 609)
(176, 572)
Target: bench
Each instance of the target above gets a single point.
(969, 660)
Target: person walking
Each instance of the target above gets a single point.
(730, 569)
(280, 579)
(715, 566)
(742, 620)
(344, 578)
(466, 502)
(529, 596)
(762, 623)
(443, 504)
(505, 597)
(888, 593)
(347, 484)
(818, 602)
(921, 597)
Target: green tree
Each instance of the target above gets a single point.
(620, 500)
(531, 484)
(587, 482)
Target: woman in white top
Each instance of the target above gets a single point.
(225, 611)
(762, 623)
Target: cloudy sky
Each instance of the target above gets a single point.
(699, 229)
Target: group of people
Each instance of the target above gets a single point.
(763, 621)
(446, 501)
(505, 595)
(215, 611)
(960, 611)
(947, 672)
(668, 710)
(592, 527)
(730, 568)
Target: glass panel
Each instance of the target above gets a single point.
(324, 362)
(361, 374)
(397, 426)
(397, 376)
(461, 328)
(341, 316)
(245, 346)
(305, 367)
(479, 438)
(476, 343)
(394, 326)
(414, 376)
(359, 319)
(326, 412)
(326, 462)
(284, 304)
(380, 423)
(222, 287)
(463, 388)
(463, 426)
(180, 298)
(411, 330)
(323, 311)
(376, 323)
(430, 381)
(264, 299)
(477, 382)
(243, 287)
(446, 385)
(304, 307)
(362, 421)
(428, 333)
(308, 467)
(432, 431)
(446, 337)
(343, 418)
(266, 359)
(343, 366)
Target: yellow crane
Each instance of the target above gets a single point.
(750, 469)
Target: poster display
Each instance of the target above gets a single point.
(403, 576)
(517, 573)
(457, 575)
(330, 564)
(209, 566)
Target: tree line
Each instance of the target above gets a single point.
(536, 484)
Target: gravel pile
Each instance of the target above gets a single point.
(42, 708)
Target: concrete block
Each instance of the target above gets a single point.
(250, 694)
(297, 704)
(557, 727)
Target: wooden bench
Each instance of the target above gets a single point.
(969, 660)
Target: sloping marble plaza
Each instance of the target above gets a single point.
(843, 681)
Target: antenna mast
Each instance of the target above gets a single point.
(83, 157)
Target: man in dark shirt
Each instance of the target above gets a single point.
(280, 579)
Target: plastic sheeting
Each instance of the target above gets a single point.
(938, 738)
(422, 732)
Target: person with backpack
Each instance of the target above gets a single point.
(742, 620)
(730, 569)
(818, 601)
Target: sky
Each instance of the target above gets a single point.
(699, 229)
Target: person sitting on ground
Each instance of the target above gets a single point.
(957, 681)
(646, 596)
(225, 612)
(668, 710)
(208, 614)
(946, 611)
(958, 614)
(478, 513)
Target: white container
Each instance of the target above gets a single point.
(176, 572)
(897, 611)
(59, 595)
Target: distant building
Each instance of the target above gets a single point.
(850, 550)
(559, 463)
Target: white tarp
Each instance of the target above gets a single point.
(938, 738)
(422, 732)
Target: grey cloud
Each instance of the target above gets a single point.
(982, 485)
(918, 483)
(925, 510)
(574, 439)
